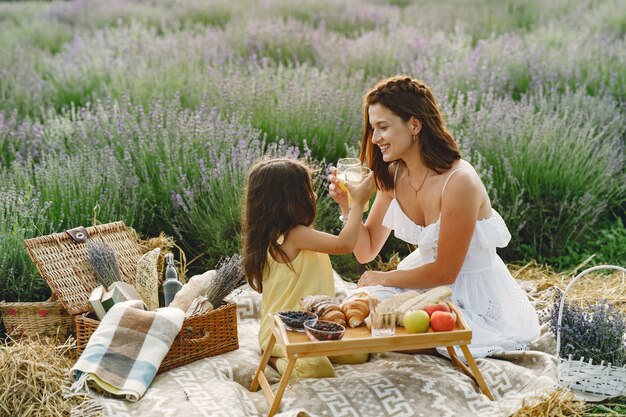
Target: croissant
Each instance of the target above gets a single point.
(325, 307)
(356, 308)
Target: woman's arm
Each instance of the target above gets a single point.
(373, 234)
(460, 205)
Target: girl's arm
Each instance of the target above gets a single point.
(372, 235)
(302, 237)
(459, 211)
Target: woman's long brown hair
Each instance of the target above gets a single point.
(408, 97)
(279, 195)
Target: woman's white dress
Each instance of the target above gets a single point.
(494, 306)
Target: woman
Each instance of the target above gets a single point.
(432, 198)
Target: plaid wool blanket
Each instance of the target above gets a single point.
(124, 353)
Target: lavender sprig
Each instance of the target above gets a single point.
(104, 262)
(593, 330)
(229, 275)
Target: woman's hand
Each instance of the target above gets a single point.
(336, 193)
(372, 278)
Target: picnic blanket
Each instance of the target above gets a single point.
(126, 350)
(389, 384)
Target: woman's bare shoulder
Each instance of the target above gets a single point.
(465, 185)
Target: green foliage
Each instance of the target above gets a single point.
(22, 216)
(611, 407)
(607, 245)
(151, 112)
(553, 164)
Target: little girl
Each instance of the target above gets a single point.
(284, 257)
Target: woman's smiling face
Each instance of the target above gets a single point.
(392, 135)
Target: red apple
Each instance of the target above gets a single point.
(442, 321)
(431, 308)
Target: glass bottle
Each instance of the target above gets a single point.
(171, 285)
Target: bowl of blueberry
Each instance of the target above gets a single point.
(320, 330)
(294, 319)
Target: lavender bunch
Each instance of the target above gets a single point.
(229, 275)
(593, 330)
(104, 262)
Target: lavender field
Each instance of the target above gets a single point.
(151, 111)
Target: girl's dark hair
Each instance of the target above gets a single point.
(408, 97)
(279, 195)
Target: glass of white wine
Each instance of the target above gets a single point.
(340, 173)
(356, 175)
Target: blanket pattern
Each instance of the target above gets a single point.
(124, 353)
(389, 384)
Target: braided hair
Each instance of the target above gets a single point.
(408, 97)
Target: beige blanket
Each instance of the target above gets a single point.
(390, 384)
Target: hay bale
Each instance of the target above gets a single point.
(605, 284)
(559, 403)
(33, 374)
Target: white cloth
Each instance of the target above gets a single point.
(494, 306)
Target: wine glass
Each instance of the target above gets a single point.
(342, 165)
(356, 175)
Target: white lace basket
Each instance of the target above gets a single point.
(581, 375)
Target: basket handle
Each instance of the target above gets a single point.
(199, 340)
(560, 318)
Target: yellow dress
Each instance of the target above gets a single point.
(283, 287)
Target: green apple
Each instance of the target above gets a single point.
(416, 321)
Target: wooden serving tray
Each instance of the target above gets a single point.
(359, 340)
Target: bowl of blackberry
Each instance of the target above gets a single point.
(321, 330)
(294, 319)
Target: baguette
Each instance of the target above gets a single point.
(399, 299)
(432, 296)
(197, 285)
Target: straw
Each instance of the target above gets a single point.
(541, 282)
(559, 403)
(33, 374)
(166, 244)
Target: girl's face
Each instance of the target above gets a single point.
(392, 135)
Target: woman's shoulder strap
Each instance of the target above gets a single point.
(395, 175)
(447, 179)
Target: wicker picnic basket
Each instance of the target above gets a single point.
(62, 261)
(203, 335)
(35, 319)
(580, 375)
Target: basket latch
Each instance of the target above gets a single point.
(78, 234)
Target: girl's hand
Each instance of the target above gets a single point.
(336, 193)
(362, 192)
(372, 278)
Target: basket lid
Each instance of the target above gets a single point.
(63, 262)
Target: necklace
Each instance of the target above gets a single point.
(416, 190)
